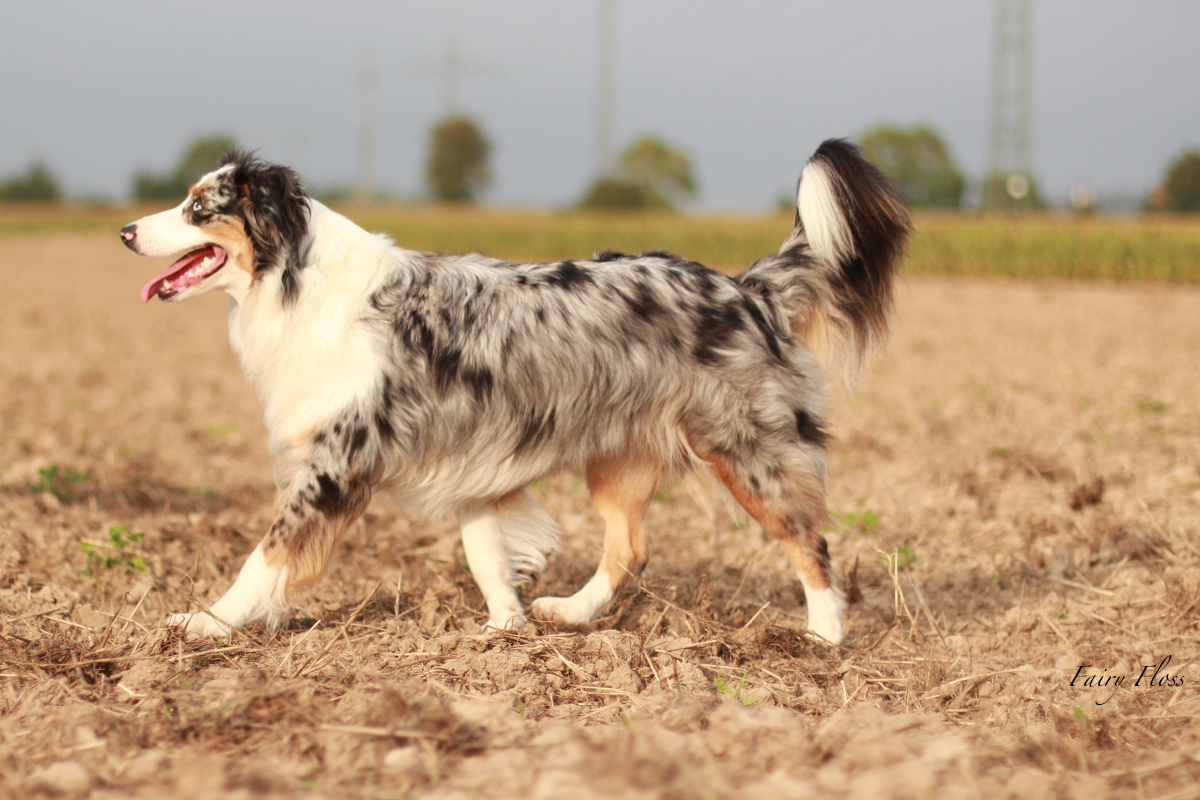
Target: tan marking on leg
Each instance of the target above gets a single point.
(813, 570)
(306, 545)
(795, 526)
(622, 487)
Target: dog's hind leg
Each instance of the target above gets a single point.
(317, 505)
(503, 540)
(621, 489)
(787, 496)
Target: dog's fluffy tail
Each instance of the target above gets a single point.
(832, 279)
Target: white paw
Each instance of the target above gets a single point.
(825, 613)
(514, 623)
(829, 630)
(581, 607)
(199, 625)
(560, 609)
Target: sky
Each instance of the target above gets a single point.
(747, 89)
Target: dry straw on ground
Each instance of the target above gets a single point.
(1016, 492)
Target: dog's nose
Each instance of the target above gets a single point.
(128, 233)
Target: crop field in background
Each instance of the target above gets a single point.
(1015, 501)
(1156, 248)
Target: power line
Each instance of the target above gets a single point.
(1012, 105)
(605, 85)
(368, 82)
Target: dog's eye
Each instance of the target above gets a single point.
(198, 206)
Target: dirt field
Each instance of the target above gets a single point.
(1016, 490)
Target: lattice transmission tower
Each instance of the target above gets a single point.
(1009, 183)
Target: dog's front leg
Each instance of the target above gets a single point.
(317, 506)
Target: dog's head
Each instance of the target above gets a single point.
(236, 225)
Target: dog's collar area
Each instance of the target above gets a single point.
(194, 267)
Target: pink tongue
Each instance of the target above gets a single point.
(185, 272)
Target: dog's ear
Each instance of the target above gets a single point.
(274, 207)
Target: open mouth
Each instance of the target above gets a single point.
(187, 271)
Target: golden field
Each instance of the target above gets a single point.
(1015, 493)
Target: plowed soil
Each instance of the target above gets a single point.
(1016, 498)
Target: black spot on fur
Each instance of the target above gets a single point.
(667, 256)
(610, 255)
(330, 498)
(810, 428)
(704, 282)
(536, 428)
(644, 303)
(358, 442)
(416, 333)
(479, 382)
(569, 276)
(287, 282)
(716, 326)
(823, 552)
(383, 427)
(445, 363)
(469, 316)
(769, 335)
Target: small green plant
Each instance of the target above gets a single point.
(1151, 407)
(725, 688)
(1061, 613)
(115, 552)
(862, 521)
(906, 555)
(58, 482)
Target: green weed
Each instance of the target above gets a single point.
(116, 552)
(725, 688)
(58, 482)
(861, 521)
(1151, 407)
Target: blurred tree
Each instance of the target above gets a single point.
(614, 194)
(1180, 189)
(202, 155)
(919, 161)
(662, 171)
(650, 175)
(457, 169)
(38, 185)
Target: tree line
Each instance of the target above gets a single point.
(650, 174)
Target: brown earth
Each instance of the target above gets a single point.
(1016, 490)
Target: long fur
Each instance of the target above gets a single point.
(834, 274)
(452, 382)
